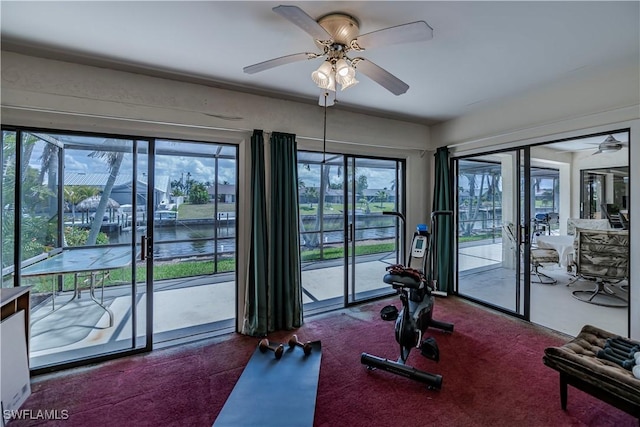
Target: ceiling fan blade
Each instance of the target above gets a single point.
(276, 62)
(299, 17)
(412, 32)
(381, 76)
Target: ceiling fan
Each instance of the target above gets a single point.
(337, 34)
(609, 145)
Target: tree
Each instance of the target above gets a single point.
(474, 202)
(76, 194)
(311, 194)
(361, 184)
(312, 239)
(177, 188)
(382, 197)
(114, 161)
(198, 194)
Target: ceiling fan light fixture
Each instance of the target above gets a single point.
(323, 75)
(343, 69)
(335, 35)
(328, 83)
(347, 81)
(609, 145)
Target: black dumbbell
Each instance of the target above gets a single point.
(278, 350)
(623, 344)
(625, 363)
(619, 353)
(293, 341)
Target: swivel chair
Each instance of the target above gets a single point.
(539, 256)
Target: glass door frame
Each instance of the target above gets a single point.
(350, 195)
(19, 131)
(215, 153)
(521, 193)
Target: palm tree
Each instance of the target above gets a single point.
(76, 194)
(474, 201)
(114, 161)
(311, 194)
(382, 197)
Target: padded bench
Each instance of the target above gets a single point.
(578, 366)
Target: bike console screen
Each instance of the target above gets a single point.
(418, 247)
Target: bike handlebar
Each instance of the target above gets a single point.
(398, 214)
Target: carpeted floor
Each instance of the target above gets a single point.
(491, 364)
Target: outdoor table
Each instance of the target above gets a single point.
(92, 261)
(561, 244)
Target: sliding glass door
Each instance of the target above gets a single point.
(125, 242)
(63, 227)
(519, 212)
(492, 224)
(346, 241)
(194, 238)
(371, 244)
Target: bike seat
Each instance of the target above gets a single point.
(403, 281)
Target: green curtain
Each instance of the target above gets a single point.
(257, 285)
(443, 201)
(285, 296)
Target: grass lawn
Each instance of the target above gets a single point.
(189, 211)
(338, 208)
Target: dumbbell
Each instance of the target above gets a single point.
(625, 363)
(278, 350)
(293, 341)
(624, 354)
(623, 344)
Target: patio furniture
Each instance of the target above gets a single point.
(615, 218)
(603, 256)
(88, 263)
(578, 365)
(561, 244)
(542, 223)
(591, 224)
(539, 256)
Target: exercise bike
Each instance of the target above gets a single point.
(414, 283)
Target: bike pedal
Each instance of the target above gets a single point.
(429, 349)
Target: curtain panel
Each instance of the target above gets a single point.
(285, 296)
(256, 296)
(443, 201)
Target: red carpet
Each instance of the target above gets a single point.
(492, 369)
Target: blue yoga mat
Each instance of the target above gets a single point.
(275, 392)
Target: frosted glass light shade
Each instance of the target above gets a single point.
(342, 68)
(323, 75)
(346, 82)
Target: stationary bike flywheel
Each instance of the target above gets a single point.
(406, 336)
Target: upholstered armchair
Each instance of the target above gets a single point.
(539, 256)
(603, 256)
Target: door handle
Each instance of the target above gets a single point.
(143, 247)
(350, 232)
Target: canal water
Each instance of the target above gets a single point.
(183, 240)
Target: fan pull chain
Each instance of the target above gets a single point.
(324, 134)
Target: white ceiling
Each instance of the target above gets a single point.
(481, 52)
